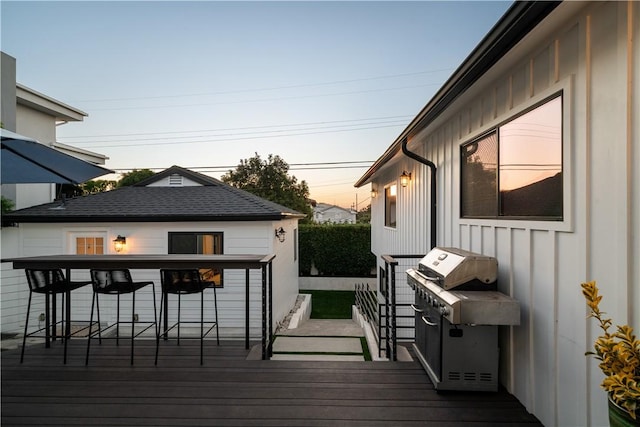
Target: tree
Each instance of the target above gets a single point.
(7, 204)
(363, 216)
(270, 180)
(98, 186)
(135, 176)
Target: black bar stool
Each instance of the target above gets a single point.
(50, 283)
(118, 282)
(184, 282)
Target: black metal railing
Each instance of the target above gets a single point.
(367, 305)
(383, 310)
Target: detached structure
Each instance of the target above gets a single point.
(175, 211)
(530, 153)
(326, 213)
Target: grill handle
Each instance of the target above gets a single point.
(416, 309)
(428, 321)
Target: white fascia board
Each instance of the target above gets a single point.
(40, 102)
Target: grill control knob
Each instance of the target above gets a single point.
(444, 310)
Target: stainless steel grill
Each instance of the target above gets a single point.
(457, 313)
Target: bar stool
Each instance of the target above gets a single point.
(50, 283)
(184, 282)
(118, 282)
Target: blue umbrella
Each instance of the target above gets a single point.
(24, 160)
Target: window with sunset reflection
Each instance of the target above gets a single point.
(515, 171)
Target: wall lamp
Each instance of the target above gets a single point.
(374, 193)
(280, 234)
(119, 243)
(405, 178)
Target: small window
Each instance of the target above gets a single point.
(390, 194)
(515, 171)
(89, 245)
(199, 243)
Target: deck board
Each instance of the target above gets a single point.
(232, 391)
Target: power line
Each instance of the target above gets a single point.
(239, 128)
(292, 166)
(285, 98)
(142, 144)
(268, 88)
(128, 140)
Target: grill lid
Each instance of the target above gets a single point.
(451, 267)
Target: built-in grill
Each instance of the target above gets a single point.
(457, 312)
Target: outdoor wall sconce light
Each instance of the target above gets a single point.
(405, 178)
(119, 243)
(374, 193)
(280, 234)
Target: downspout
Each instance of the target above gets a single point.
(434, 200)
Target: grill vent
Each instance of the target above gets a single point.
(486, 377)
(470, 376)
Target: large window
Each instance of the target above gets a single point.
(199, 243)
(515, 171)
(390, 194)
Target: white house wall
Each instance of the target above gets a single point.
(152, 238)
(587, 54)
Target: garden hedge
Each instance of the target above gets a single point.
(342, 250)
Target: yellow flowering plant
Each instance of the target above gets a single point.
(618, 353)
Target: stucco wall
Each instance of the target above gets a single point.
(583, 50)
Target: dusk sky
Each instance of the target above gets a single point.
(204, 84)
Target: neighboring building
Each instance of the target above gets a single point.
(35, 115)
(535, 138)
(174, 211)
(325, 213)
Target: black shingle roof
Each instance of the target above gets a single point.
(211, 201)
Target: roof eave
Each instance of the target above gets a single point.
(521, 18)
(10, 220)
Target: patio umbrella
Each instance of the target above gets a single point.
(24, 160)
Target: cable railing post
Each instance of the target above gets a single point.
(386, 308)
(394, 342)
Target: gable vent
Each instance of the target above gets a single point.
(175, 180)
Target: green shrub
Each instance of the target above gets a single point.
(342, 250)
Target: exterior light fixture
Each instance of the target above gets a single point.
(405, 178)
(119, 243)
(374, 193)
(280, 234)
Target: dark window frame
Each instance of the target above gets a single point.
(215, 234)
(499, 199)
(390, 218)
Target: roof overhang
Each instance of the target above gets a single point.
(8, 218)
(45, 104)
(514, 25)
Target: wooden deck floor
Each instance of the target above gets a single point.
(231, 391)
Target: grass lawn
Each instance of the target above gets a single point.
(331, 304)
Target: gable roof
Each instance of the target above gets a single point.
(514, 25)
(324, 207)
(213, 200)
(177, 170)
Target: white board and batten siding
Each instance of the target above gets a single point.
(152, 238)
(585, 50)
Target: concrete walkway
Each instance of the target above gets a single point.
(320, 339)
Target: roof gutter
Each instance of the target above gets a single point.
(514, 25)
